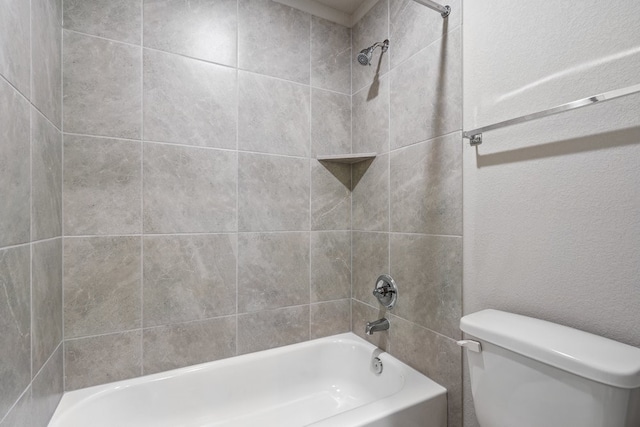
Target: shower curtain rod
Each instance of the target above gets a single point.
(444, 10)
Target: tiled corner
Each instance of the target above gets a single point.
(102, 359)
(47, 389)
(200, 29)
(119, 20)
(189, 190)
(370, 110)
(15, 65)
(269, 30)
(176, 346)
(21, 414)
(330, 123)
(102, 183)
(330, 56)
(370, 260)
(187, 101)
(15, 324)
(435, 356)
(46, 58)
(426, 93)
(102, 281)
(413, 27)
(46, 178)
(14, 173)
(371, 195)
(427, 184)
(188, 278)
(372, 28)
(273, 270)
(273, 193)
(46, 300)
(330, 265)
(330, 196)
(274, 328)
(273, 115)
(102, 87)
(330, 318)
(430, 271)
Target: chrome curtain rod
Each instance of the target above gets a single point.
(444, 10)
(475, 135)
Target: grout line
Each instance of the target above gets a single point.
(237, 234)
(62, 221)
(310, 150)
(142, 186)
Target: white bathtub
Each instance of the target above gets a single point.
(328, 382)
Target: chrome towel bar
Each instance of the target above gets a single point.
(475, 135)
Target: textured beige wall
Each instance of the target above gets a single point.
(552, 208)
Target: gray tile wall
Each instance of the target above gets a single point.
(197, 223)
(407, 203)
(31, 366)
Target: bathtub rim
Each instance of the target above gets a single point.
(416, 389)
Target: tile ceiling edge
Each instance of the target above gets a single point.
(320, 10)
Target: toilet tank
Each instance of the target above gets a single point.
(533, 373)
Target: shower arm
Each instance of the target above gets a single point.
(383, 45)
(444, 10)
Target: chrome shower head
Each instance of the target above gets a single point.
(364, 57)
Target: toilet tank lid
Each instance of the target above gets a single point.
(591, 356)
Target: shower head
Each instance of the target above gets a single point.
(364, 57)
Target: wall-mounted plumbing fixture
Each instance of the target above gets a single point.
(386, 291)
(364, 57)
(376, 326)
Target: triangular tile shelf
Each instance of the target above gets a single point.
(347, 158)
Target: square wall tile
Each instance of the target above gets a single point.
(47, 389)
(433, 355)
(330, 318)
(119, 20)
(371, 195)
(414, 27)
(427, 187)
(102, 359)
(102, 285)
(189, 278)
(15, 324)
(46, 178)
(430, 271)
(189, 190)
(330, 123)
(330, 196)
(15, 49)
(46, 300)
(274, 116)
(102, 185)
(21, 414)
(372, 28)
(273, 270)
(274, 193)
(274, 328)
(330, 265)
(330, 56)
(200, 29)
(187, 101)
(14, 170)
(46, 58)
(426, 93)
(370, 109)
(370, 260)
(177, 346)
(274, 40)
(102, 87)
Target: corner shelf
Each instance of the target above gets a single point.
(347, 158)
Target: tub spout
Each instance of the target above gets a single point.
(376, 326)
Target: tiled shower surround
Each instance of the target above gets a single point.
(197, 223)
(31, 350)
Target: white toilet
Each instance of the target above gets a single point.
(527, 372)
